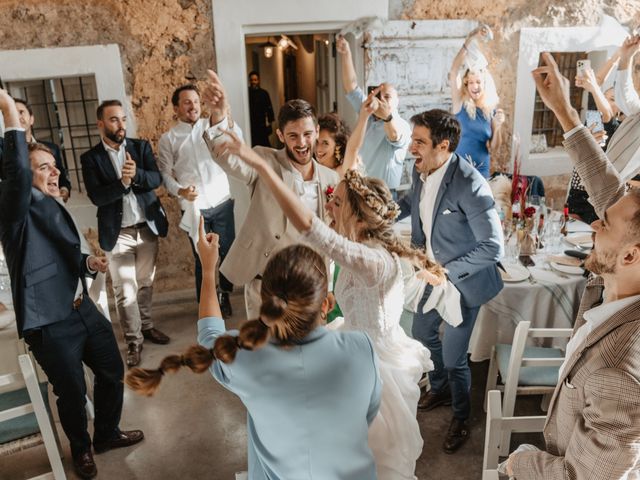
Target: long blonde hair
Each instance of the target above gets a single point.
(490, 98)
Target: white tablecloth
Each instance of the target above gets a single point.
(551, 302)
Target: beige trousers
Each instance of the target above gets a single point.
(252, 300)
(132, 265)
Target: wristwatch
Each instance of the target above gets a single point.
(388, 119)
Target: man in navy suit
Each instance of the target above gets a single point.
(120, 175)
(54, 314)
(454, 219)
(27, 120)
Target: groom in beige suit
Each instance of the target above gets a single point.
(266, 229)
(593, 422)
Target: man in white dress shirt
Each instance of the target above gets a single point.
(201, 185)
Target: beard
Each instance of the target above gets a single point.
(601, 262)
(294, 158)
(117, 136)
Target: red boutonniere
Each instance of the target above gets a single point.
(329, 192)
(529, 212)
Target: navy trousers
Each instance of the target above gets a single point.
(218, 220)
(60, 348)
(449, 355)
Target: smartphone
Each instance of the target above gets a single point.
(371, 88)
(593, 117)
(581, 66)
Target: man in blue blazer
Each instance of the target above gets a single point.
(54, 314)
(454, 219)
(120, 175)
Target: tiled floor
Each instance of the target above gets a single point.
(195, 429)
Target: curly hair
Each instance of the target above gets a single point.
(339, 131)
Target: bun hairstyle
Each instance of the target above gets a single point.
(294, 286)
(332, 123)
(371, 205)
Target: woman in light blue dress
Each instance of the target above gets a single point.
(310, 393)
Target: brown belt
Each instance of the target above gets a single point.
(77, 302)
(138, 226)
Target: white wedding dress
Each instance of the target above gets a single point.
(370, 293)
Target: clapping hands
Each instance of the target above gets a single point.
(128, 170)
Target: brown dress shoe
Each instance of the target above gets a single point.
(122, 439)
(429, 400)
(155, 336)
(84, 465)
(133, 354)
(457, 435)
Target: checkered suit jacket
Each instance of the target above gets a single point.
(593, 423)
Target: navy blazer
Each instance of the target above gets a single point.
(40, 243)
(106, 190)
(466, 235)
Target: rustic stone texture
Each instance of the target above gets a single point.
(163, 43)
(506, 18)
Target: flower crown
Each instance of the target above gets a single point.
(355, 182)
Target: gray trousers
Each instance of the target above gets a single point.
(132, 265)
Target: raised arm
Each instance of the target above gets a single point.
(497, 132)
(600, 178)
(214, 96)
(455, 78)
(349, 78)
(15, 188)
(357, 136)
(590, 84)
(208, 252)
(626, 96)
(605, 70)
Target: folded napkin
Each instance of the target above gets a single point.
(581, 239)
(565, 260)
(190, 222)
(444, 298)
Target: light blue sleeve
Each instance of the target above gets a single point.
(209, 329)
(356, 98)
(404, 139)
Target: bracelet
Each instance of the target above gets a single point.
(388, 119)
(464, 45)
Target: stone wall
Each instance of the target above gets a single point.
(163, 43)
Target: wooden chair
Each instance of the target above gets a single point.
(494, 433)
(26, 392)
(525, 370)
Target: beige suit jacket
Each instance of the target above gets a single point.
(266, 229)
(593, 423)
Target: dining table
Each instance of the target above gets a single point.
(545, 294)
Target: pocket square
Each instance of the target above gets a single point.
(447, 212)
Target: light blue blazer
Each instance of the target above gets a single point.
(309, 406)
(466, 235)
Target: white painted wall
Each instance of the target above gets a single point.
(102, 61)
(607, 36)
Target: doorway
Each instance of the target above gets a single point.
(295, 66)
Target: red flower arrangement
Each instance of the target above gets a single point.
(529, 212)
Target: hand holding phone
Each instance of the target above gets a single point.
(581, 66)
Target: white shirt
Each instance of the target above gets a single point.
(308, 190)
(184, 159)
(593, 319)
(132, 213)
(625, 94)
(430, 187)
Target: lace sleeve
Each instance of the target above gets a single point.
(373, 265)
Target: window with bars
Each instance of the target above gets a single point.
(64, 113)
(544, 121)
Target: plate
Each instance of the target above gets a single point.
(580, 240)
(514, 273)
(566, 268)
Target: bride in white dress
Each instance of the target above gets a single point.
(370, 293)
